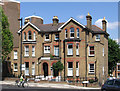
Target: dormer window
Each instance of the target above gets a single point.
(46, 37)
(29, 35)
(71, 32)
(97, 37)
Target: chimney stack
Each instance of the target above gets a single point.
(104, 23)
(89, 21)
(34, 20)
(55, 20)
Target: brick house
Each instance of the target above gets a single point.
(83, 50)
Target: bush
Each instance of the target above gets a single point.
(91, 80)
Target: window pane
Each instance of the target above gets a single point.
(70, 64)
(76, 64)
(71, 32)
(77, 32)
(118, 67)
(29, 35)
(66, 33)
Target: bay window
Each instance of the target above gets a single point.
(15, 67)
(77, 49)
(46, 49)
(70, 49)
(70, 69)
(26, 50)
(15, 54)
(33, 50)
(56, 50)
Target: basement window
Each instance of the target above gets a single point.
(91, 68)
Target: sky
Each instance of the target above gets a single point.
(77, 10)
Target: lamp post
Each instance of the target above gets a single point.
(21, 47)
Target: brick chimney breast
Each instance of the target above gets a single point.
(55, 20)
(89, 21)
(104, 23)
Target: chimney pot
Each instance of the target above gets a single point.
(89, 21)
(104, 23)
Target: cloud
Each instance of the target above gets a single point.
(80, 16)
(110, 25)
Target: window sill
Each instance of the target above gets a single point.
(91, 73)
(15, 70)
(33, 56)
(26, 56)
(47, 40)
(69, 55)
(97, 40)
(91, 55)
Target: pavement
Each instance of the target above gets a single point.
(49, 85)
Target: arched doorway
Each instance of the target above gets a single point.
(45, 69)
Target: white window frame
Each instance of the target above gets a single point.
(90, 68)
(77, 69)
(69, 50)
(26, 69)
(97, 37)
(78, 33)
(56, 36)
(46, 47)
(117, 68)
(66, 33)
(29, 35)
(33, 68)
(15, 67)
(34, 36)
(72, 32)
(70, 70)
(91, 50)
(33, 50)
(26, 51)
(46, 35)
(77, 49)
(103, 52)
(56, 50)
(118, 76)
(15, 54)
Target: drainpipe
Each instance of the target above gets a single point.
(86, 54)
(64, 58)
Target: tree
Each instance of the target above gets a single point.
(113, 54)
(7, 37)
(57, 67)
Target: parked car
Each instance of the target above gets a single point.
(111, 85)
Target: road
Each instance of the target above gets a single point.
(15, 88)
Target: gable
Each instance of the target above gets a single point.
(71, 20)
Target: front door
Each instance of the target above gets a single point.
(45, 69)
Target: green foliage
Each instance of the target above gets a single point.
(57, 67)
(7, 37)
(91, 80)
(113, 54)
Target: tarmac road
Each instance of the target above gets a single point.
(15, 88)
